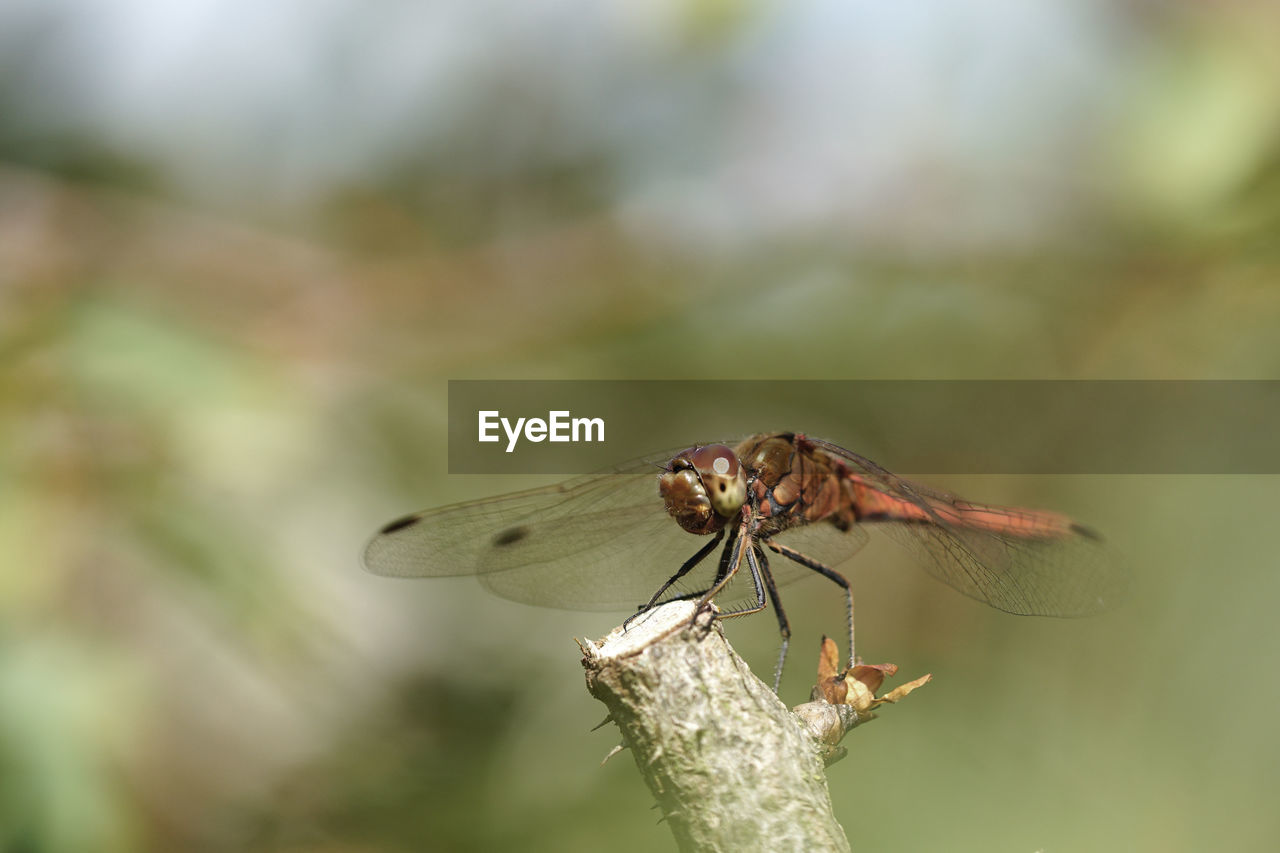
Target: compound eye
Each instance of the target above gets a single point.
(682, 461)
(722, 478)
(715, 459)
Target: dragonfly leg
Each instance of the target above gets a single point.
(784, 627)
(826, 572)
(721, 572)
(730, 560)
(684, 570)
(759, 577)
(762, 578)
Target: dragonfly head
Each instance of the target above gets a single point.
(703, 487)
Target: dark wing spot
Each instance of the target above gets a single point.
(1087, 532)
(400, 524)
(511, 535)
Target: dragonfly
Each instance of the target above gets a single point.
(604, 542)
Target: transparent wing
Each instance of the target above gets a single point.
(1071, 576)
(598, 542)
(823, 542)
(1016, 560)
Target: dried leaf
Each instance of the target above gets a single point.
(857, 685)
(831, 686)
(872, 675)
(903, 689)
(828, 659)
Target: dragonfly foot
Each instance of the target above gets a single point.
(640, 611)
(704, 617)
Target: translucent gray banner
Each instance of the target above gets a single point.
(910, 427)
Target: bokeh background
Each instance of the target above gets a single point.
(243, 246)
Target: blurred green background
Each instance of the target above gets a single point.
(243, 246)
